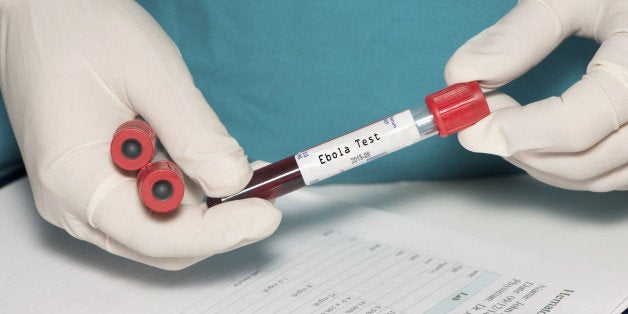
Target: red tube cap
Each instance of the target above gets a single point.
(133, 145)
(160, 185)
(457, 107)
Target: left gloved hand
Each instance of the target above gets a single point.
(71, 72)
(576, 141)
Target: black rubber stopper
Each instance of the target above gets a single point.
(131, 149)
(162, 190)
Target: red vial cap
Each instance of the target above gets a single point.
(160, 185)
(457, 107)
(133, 145)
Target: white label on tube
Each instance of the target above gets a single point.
(358, 147)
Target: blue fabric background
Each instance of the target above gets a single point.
(287, 75)
(10, 160)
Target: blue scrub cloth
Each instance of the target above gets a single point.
(287, 75)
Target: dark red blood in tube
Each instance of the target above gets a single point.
(267, 184)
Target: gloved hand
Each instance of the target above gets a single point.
(578, 141)
(71, 72)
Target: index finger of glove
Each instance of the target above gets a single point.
(160, 88)
(519, 41)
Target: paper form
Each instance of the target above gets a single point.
(335, 272)
(327, 257)
(347, 274)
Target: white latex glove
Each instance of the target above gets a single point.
(71, 72)
(578, 141)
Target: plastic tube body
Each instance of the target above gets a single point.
(445, 112)
(358, 147)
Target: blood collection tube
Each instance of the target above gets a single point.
(159, 184)
(445, 112)
(133, 145)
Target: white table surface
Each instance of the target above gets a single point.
(517, 211)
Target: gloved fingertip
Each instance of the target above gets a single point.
(466, 66)
(487, 135)
(497, 100)
(259, 164)
(479, 139)
(273, 213)
(238, 223)
(458, 70)
(260, 216)
(223, 176)
(268, 220)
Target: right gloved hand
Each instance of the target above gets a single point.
(576, 141)
(71, 72)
